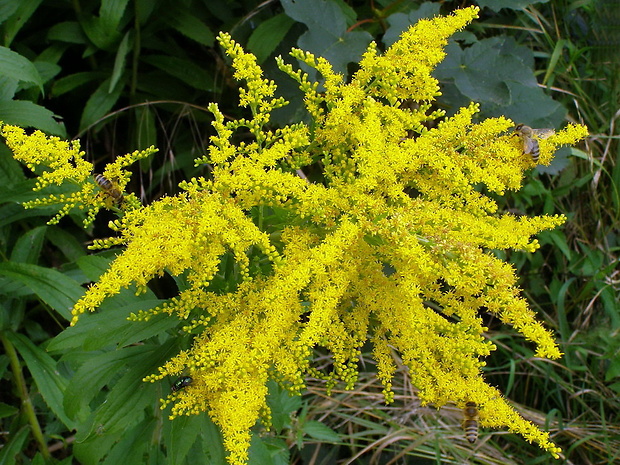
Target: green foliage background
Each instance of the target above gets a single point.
(123, 75)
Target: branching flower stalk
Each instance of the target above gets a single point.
(393, 245)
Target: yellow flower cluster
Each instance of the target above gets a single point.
(62, 164)
(393, 246)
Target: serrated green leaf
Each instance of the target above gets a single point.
(183, 69)
(27, 114)
(212, 441)
(99, 104)
(259, 453)
(190, 26)
(51, 286)
(28, 247)
(282, 404)
(42, 367)
(181, 435)
(16, 66)
(94, 266)
(135, 445)
(111, 328)
(268, 35)
(8, 87)
(125, 403)
(95, 373)
(95, 448)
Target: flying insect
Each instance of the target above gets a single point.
(530, 138)
(470, 421)
(108, 187)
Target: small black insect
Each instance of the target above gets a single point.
(181, 383)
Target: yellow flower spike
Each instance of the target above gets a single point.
(391, 245)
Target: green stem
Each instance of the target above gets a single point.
(25, 397)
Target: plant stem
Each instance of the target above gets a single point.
(25, 397)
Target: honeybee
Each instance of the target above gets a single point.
(470, 421)
(106, 186)
(181, 383)
(530, 138)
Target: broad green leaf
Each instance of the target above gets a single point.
(28, 247)
(327, 35)
(51, 286)
(497, 5)
(268, 35)
(42, 367)
(99, 104)
(190, 26)
(401, 22)
(18, 67)
(183, 69)
(498, 74)
(27, 114)
(68, 31)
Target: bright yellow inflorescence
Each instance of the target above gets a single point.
(394, 245)
(62, 163)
